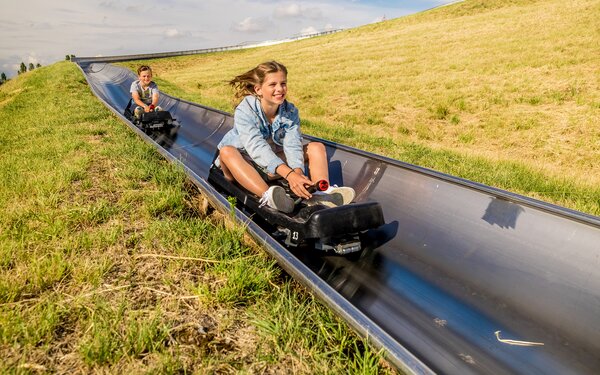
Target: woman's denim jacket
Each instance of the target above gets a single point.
(251, 130)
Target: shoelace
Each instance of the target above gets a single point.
(264, 200)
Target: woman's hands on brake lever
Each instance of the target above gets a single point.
(299, 183)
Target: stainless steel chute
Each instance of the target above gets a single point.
(463, 278)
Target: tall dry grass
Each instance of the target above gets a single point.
(506, 81)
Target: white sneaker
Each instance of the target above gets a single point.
(275, 197)
(347, 193)
(333, 196)
(137, 113)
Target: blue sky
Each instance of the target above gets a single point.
(42, 31)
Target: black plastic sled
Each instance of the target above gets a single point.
(326, 228)
(156, 120)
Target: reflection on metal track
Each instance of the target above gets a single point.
(463, 278)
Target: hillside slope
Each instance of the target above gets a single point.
(110, 262)
(506, 81)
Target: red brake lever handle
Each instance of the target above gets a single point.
(320, 185)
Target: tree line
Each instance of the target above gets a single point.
(22, 69)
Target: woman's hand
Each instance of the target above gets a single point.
(298, 183)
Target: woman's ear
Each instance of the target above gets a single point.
(258, 90)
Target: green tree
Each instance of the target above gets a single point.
(3, 77)
(31, 67)
(38, 65)
(23, 68)
(68, 57)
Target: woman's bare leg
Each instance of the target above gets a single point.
(316, 155)
(319, 170)
(235, 167)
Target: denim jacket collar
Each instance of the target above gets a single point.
(282, 119)
(249, 119)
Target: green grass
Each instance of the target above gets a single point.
(501, 92)
(109, 263)
(298, 331)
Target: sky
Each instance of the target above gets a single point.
(43, 31)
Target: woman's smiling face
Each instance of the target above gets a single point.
(273, 89)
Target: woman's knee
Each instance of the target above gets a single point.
(315, 148)
(227, 153)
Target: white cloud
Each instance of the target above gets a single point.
(119, 27)
(250, 25)
(312, 13)
(31, 58)
(109, 4)
(174, 33)
(296, 11)
(308, 30)
(290, 10)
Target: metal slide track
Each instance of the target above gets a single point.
(462, 279)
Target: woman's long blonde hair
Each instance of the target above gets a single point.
(244, 83)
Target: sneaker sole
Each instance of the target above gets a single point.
(327, 200)
(282, 201)
(347, 194)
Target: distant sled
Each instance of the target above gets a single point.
(156, 120)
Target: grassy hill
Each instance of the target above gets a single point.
(111, 263)
(498, 91)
